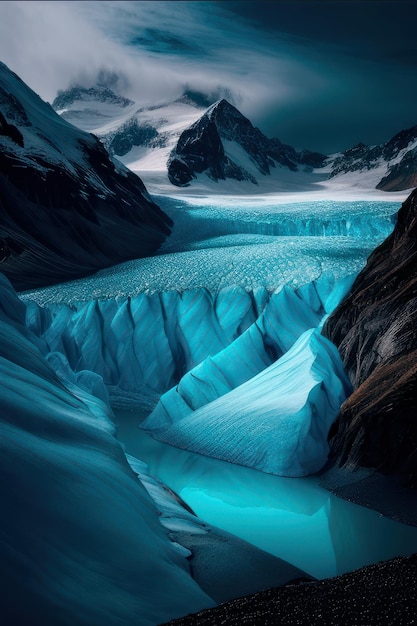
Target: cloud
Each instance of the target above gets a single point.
(155, 48)
(311, 86)
(51, 45)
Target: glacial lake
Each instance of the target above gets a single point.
(292, 518)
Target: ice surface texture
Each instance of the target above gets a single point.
(273, 418)
(81, 539)
(248, 243)
(287, 314)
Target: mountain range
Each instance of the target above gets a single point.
(191, 137)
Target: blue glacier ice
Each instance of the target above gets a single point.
(247, 244)
(141, 346)
(287, 314)
(278, 420)
(82, 541)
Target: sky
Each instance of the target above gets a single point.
(322, 75)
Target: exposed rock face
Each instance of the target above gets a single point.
(376, 333)
(402, 175)
(130, 134)
(360, 157)
(201, 148)
(66, 209)
(94, 94)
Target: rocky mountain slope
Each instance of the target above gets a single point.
(394, 163)
(375, 331)
(66, 208)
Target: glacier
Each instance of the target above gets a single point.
(182, 330)
(201, 347)
(186, 353)
(246, 242)
(217, 339)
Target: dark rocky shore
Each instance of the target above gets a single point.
(382, 594)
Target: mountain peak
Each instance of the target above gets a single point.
(223, 143)
(224, 107)
(98, 93)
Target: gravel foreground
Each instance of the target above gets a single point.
(383, 594)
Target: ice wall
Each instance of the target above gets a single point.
(82, 543)
(144, 345)
(196, 347)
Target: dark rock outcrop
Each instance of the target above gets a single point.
(128, 135)
(360, 157)
(375, 331)
(66, 209)
(8, 130)
(200, 148)
(99, 93)
(402, 175)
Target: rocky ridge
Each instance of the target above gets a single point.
(375, 332)
(398, 155)
(99, 93)
(66, 209)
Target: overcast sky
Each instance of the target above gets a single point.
(317, 75)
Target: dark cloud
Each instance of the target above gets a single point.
(321, 75)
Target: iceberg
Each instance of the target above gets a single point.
(277, 421)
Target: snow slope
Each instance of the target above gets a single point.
(111, 117)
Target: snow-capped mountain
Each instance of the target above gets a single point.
(224, 144)
(157, 141)
(391, 166)
(66, 208)
(142, 136)
(193, 142)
